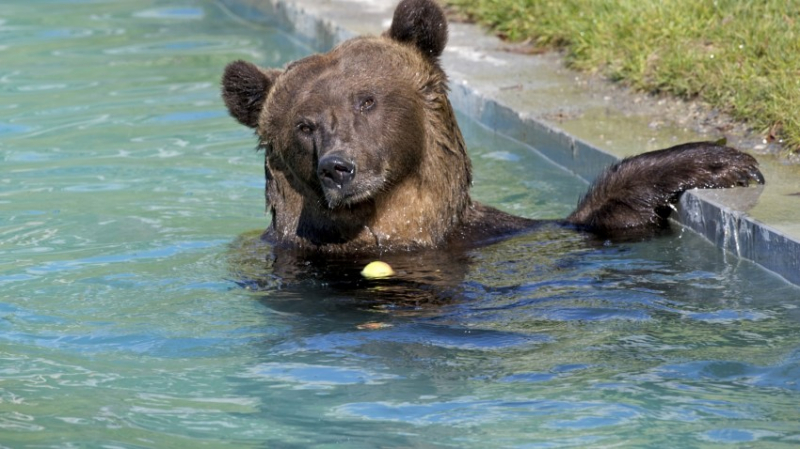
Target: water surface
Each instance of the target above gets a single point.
(129, 315)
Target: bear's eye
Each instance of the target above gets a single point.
(366, 104)
(305, 128)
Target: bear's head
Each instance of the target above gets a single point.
(362, 147)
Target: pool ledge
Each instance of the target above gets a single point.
(570, 120)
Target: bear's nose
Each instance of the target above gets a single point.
(335, 171)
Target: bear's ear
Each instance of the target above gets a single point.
(244, 90)
(421, 23)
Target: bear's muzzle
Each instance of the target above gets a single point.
(335, 171)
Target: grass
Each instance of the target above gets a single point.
(741, 57)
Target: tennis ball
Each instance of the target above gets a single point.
(377, 269)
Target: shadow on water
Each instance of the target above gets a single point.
(423, 280)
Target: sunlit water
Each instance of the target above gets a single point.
(129, 316)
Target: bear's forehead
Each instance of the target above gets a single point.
(373, 66)
(357, 60)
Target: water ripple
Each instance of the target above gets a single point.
(182, 13)
(156, 253)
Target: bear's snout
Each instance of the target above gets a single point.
(335, 171)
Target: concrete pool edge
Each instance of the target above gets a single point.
(497, 102)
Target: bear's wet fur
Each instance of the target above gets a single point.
(363, 153)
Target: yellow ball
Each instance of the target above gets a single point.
(377, 269)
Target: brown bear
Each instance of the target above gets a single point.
(363, 153)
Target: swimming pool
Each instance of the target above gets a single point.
(129, 202)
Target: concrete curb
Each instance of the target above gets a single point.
(717, 215)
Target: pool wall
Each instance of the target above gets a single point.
(717, 215)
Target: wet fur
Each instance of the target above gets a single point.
(381, 103)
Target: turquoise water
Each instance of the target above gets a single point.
(128, 316)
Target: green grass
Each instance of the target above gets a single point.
(741, 57)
